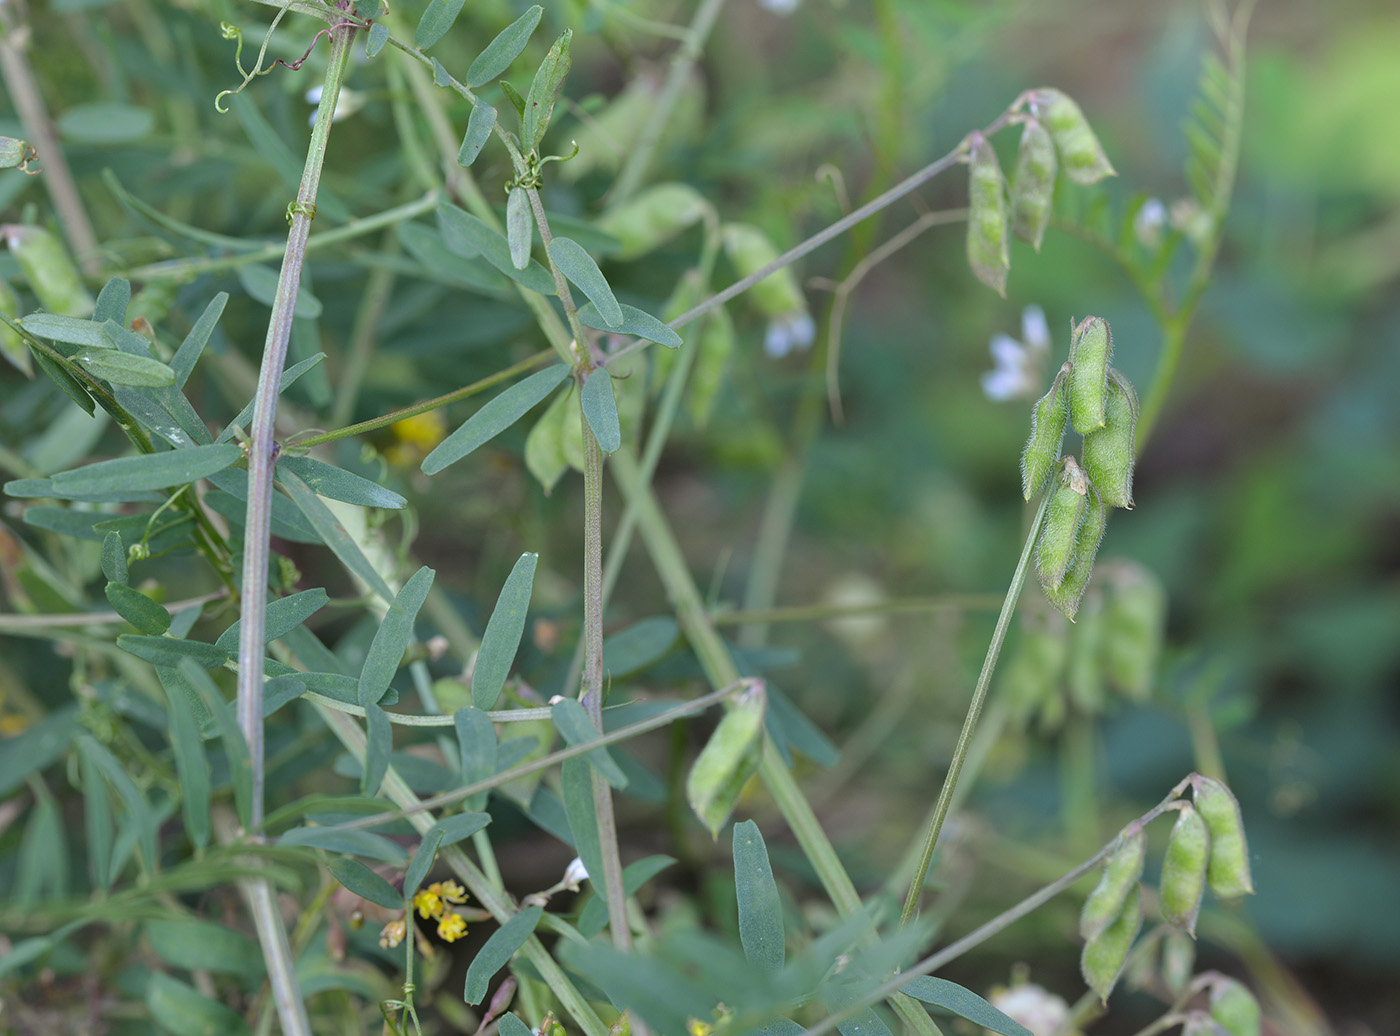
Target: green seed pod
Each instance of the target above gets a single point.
(1031, 677)
(544, 446)
(1178, 960)
(649, 219)
(1059, 532)
(716, 344)
(1048, 418)
(1068, 594)
(1120, 877)
(1184, 870)
(1103, 956)
(1234, 1008)
(609, 133)
(1033, 184)
(988, 250)
(1228, 868)
(728, 759)
(1134, 625)
(749, 249)
(1110, 451)
(52, 277)
(11, 341)
(1091, 346)
(1081, 155)
(1084, 674)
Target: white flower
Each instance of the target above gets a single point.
(1019, 364)
(1039, 1011)
(573, 874)
(347, 103)
(790, 331)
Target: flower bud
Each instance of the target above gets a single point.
(1228, 868)
(1048, 418)
(52, 276)
(1081, 155)
(11, 341)
(1104, 955)
(1090, 348)
(988, 251)
(749, 249)
(1119, 879)
(1110, 451)
(649, 219)
(1134, 624)
(15, 154)
(1178, 960)
(1184, 870)
(728, 759)
(1067, 595)
(1234, 1008)
(1033, 184)
(1059, 532)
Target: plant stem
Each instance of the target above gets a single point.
(974, 711)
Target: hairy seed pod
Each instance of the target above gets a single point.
(1081, 155)
(1033, 184)
(1135, 618)
(728, 759)
(1048, 419)
(1110, 451)
(1103, 956)
(1059, 532)
(1178, 960)
(1068, 594)
(52, 276)
(11, 342)
(652, 217)
(1184, 870)
(1084, 674)
(1234, 1008)
(1228, 868)
(988, 249)
(750, 249)
(1030, 679)
(1120, 877)
(1091, 346)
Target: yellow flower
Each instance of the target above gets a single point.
(452, 926)
(421, 430)
(392, 934)
(448, 891)
(428, 902)
(698, 1028)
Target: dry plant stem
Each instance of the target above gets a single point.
(634, 168)
(29, 105)
(974, 711)
(492, 899)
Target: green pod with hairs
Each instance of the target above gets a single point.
(1059, 532)
(1178, 960)
(652, 217)
(52, 277)
(1184, 870)
(1082, 157)
(1070, 592)
(1091, 347)
(1084, 674)
(1102, 960)
(750, 250)
(1048, 419)
(1234, 1008)
(1030, 680)
(1110, 451)
(1134, 626)
(1033, 184)
(988, 248)
(1120, 878)
(728, 760)
(1227, 870)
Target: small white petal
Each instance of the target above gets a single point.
(313, 96)
(575, 873)
(1002, 385)
(802, 329)
(1034, 330)
(1007, 353)
(777, 340)
(779, 6)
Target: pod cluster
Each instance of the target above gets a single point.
(1099, 402)
(1055, 138)
(1206, 849)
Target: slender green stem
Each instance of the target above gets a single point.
(974, 711)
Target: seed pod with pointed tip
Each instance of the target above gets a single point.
(1135, 618)
(1048, 419)
(1059, 532)
(52, 276)
(1084, 674)
(1184, 870)
(1119, 879)
(750, 249)
(1033, 184)
(1110, 451)
(1030, 679)
(1068, 594)
(1081, 155)
(652, 217)
(1091, 346)
(988, 250)
(1103, 956)
(1228, 868)
(728, 759)
(1178, 960)
(1234, 1008)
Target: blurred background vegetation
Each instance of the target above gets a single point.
(1268, 499)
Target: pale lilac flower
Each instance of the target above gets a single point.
(573, 874)
(1017, 374)
(1148, 223)
(347, 103)
(790, 331)
(783, 7)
